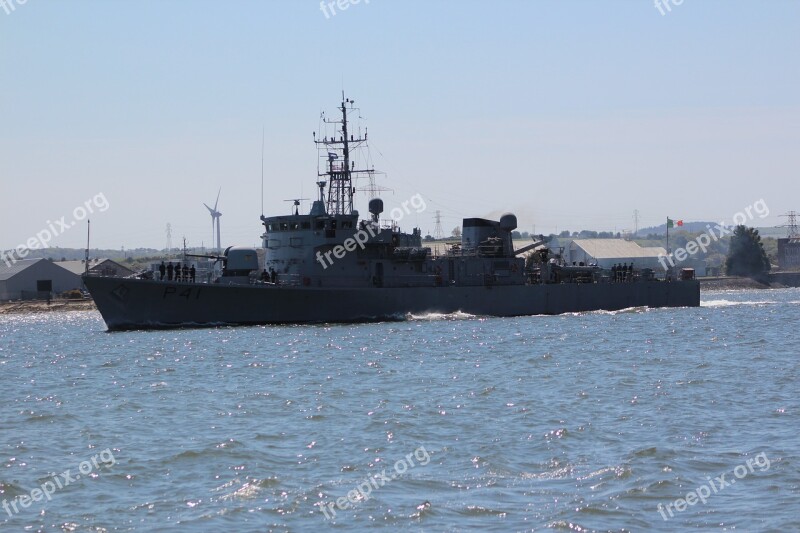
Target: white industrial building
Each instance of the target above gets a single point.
(609, 252)
(97, 267)
(789, 253)
(606, 253)
(29, 279)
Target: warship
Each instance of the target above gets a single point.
(330, 265)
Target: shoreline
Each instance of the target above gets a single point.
(725, 283)
(35, 307)
(777, 280)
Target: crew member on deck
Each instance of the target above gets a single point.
(178, 272)
(185, 272)
(170, 270)
(162, 268)
(192, 273)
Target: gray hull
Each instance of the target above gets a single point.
(138, 304)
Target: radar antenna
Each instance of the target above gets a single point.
(296, 202)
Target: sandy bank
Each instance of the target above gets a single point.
(35, 307)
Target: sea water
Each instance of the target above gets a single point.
(643, 419)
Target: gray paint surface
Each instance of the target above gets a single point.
(132, 303)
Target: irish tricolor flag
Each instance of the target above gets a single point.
(671, 223)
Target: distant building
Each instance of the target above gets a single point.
(29, 279)
(789, 253)
(606, 253)
(97, 267)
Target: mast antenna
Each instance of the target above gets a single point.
(88, 234)
(262, 170)
(340, 169)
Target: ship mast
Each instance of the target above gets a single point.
(339, 169)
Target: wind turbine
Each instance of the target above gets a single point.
(215, 216)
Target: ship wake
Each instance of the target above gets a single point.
(458, 315)
(731, 303)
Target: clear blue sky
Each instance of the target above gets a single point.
(569, 113)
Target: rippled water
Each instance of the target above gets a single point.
(577, 422)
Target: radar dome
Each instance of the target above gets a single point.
(508, 222)
(376, 206)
